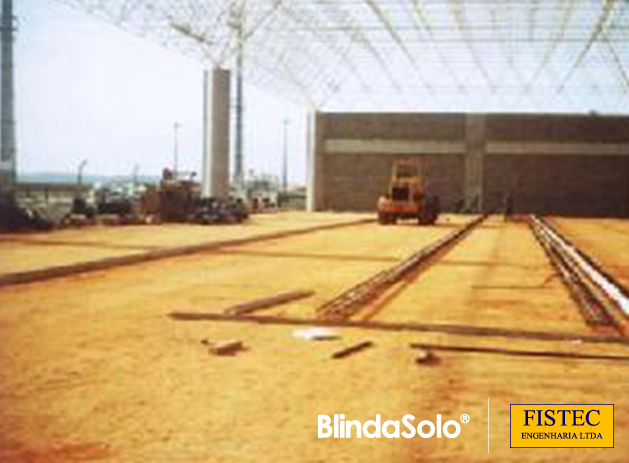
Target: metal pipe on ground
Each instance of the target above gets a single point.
(590, 305)
(352, 300)
(613, 297)
(612, 287)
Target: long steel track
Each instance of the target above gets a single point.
(419, 327)
(602, 300)
(59, 271)
(352, 300)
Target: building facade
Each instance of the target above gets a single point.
(554, 164)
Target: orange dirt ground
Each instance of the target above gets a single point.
(70, 246)
(92, 369)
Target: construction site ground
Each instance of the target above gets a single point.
(93, 369)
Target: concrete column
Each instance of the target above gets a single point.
(216, 118)
(7, 114)
(624, 199)
(475, 142)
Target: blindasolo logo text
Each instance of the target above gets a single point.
(562, 425)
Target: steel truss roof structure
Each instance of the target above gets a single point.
(417, 55)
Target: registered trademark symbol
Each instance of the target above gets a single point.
(465, 418)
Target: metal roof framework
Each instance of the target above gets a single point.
(404, 55)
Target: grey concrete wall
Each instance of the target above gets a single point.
(576, 165)
(395, 126)
(355, 181)
(572, 164)
(571, 185)
(355, 175)
(558, 128)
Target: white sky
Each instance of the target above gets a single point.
(87, 90)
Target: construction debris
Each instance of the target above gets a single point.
(519, 352)
(316, 334)
(228, 347)
(178, 199)
(15, 217)
(427, 357)
(351, 350)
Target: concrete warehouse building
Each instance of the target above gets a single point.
(559, 164)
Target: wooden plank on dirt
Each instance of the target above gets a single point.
(463, 330)
(229, 347)
(519, 352)
(351, 350)
(267, 302)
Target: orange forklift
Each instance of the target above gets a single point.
(407, 197)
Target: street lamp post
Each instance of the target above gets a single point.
(236, 23)
(285, 160)
(136, 169)
(176, 127)
(79, 177)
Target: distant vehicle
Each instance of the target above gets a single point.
(15, 217)
(179, 200)
(407, 197)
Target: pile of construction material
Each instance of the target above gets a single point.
(15, 217)
(179, 200)
(174, 199)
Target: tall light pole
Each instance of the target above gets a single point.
(176, 127)
(7, 109)
(285, 161)
(237, 24)
(134, 175)
(79, 175)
